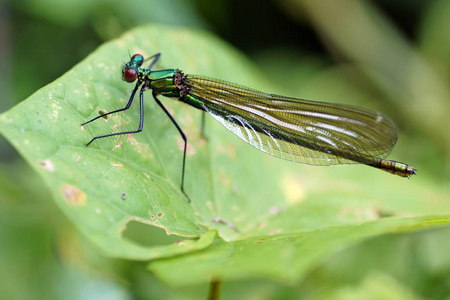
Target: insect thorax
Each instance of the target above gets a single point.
(178, 80)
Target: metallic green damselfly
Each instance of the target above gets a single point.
(311, 132)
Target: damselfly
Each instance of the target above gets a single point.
(311, 132)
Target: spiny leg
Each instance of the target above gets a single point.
(141, 118)
(118, 110)
(183, 136)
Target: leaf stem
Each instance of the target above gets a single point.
(214, 289)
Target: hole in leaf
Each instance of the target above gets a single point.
(147, 235)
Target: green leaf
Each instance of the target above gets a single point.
(375, 286)
(283, 257)
(251, 215)
(114, 181)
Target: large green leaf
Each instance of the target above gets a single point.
(283, 257)
(105, 186)
(273, 218)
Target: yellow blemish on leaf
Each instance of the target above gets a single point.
(6, 120)
(293, 189)
(210, 206)
(117, 165)
(224, 179)
(263, 224)
(53, 115)
(118, 145)
(132, 140)
(73, 195)
(47, 164)
(229, 150)
(86, 90)
(361, 214)
(140, 147)
(276, 231)
(238, 219)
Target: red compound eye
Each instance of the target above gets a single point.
(137, 57)
(130, 75)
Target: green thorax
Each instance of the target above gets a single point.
(162, 81)
(170, 83)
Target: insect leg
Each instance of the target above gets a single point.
(155, 59)
(183, 136)
(117, 110)
(141, 119)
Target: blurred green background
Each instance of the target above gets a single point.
(393, 56)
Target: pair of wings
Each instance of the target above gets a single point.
(310, 132)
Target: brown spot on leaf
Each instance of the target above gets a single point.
(73, 195)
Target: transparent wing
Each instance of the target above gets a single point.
(311, 132)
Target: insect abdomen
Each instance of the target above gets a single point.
(396, 168)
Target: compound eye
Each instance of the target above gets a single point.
(136, 55)
(130, 75)
(139, 59)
